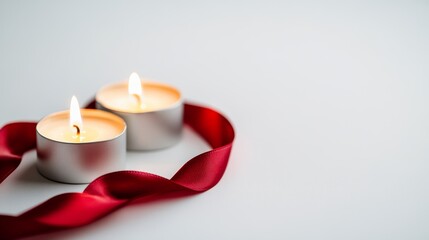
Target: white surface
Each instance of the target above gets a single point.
(329, 101)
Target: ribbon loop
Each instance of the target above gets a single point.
(118, 189)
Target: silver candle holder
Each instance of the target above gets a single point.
(151, 129)
(80, 162)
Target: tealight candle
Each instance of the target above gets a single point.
(78, 146)
(153, 111)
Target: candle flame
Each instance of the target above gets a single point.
(135, 88)
(75, 116)
(135, 85)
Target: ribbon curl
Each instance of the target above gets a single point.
(115, 190)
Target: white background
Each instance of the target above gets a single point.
(329, 101)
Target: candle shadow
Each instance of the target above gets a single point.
(31, 174)
(28, 180)
(28, 173)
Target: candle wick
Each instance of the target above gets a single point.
(139, 99)
(77, 130)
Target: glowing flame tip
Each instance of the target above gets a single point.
(75, 116)
(135, 85)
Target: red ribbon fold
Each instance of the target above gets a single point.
(118, 189)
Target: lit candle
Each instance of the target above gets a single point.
(153, 111)
(77, 146)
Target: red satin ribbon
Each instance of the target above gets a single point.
(118, 189)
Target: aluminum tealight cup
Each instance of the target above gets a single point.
(80, 162)
(147, 130)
